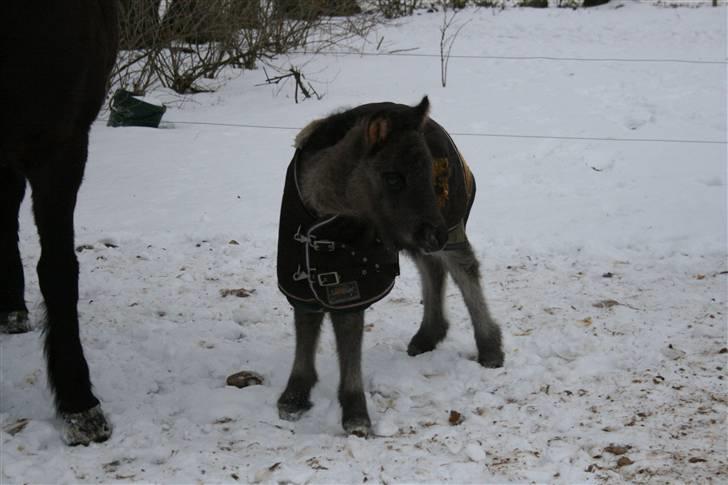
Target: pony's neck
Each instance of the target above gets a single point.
(327, 176)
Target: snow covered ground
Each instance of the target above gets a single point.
(605, 263)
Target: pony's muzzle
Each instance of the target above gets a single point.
(431, 238)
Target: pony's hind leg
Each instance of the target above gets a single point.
(295, 399)
(13, 312)
(55, 182)
(434, 324)
(464, 268)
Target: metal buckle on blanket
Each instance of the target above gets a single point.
(298, 237)
(300, 275)
(317, 245)
(328, 279)
(323, 244)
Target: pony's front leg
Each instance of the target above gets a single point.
(434, 324)
(295, 399)
(349, 330)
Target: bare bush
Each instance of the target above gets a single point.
(139, 23)
(449, 31)
(178, 43)
(398, 8)
(139, 41)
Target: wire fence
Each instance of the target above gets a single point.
(405, 53)
(518, 58)
(471, 134)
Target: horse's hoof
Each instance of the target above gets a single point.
(14, 322)
(84, 427)
(360, 427)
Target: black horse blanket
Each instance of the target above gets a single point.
(336, 263)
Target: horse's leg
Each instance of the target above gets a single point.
(464, 268)
(55, 182)
(434, 324)
(13, 312)
(349, 329)
(295, 399)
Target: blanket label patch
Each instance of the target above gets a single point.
(342, 293)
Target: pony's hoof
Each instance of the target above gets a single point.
(14, 322)
(360, 427)
(84, 427)
(293, 410)
(492, 361)
(421, 344)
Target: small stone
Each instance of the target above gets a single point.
(624, 461)
(455, 418)
(606, 304)
(617, 449)
(244, 378)
(239, 292)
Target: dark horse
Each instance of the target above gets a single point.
(364, 184)
(55, 59)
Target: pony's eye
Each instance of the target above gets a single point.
(394, 180)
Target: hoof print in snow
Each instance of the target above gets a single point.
(244, 378)
(84, 427)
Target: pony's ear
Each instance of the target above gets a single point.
(378, 130)
(422, 112)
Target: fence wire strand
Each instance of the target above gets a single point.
(516, 58)
(472, 134)
(494, 57)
